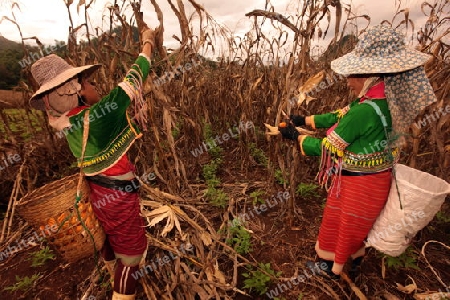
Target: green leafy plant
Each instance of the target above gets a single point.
(240, 237)
(258, 154)
(407, 259)
(324, 202)
(214, 150)
(442, 218)
(39, 258)
(176, 130)
(216, 197)
(307, 190)
(260, 133)
(210, 170)
(259, 280)
(256, 197)
(23, 284)
(279, 176)
(207, 130)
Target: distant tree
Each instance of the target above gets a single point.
(9, 67)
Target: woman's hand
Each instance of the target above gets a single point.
(148, 36)
(298, 120)
(289, 132)
(148, 40)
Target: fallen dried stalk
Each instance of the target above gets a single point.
(354, 288)
(7, 222)
(431, 267)
(431, 295)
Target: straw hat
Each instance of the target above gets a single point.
(380, 50)
(52, 71)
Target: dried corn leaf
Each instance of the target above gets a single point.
(407, 289)
(198, 244)
(308, 86)
(273, 130)
(257, 82)
(204, 235)
(302, 97)
(206, 238)
(162, 213)
(218, 274)
(151, 204)
(158, 215)
(177, 225)
(431, 295)
(311, 83)
(200, 292)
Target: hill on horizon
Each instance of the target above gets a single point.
(8, 44)
(10, 54)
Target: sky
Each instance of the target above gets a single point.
(48, 19)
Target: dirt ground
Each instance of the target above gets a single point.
(285, 244)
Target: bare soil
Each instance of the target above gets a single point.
(284, 243)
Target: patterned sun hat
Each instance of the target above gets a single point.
(380, 50)
(52, 71)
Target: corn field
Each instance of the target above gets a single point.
(191, 98)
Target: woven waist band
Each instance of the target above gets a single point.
(129, 186)
(351, 173)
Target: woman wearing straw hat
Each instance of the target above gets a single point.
(66, 94)
(362, 142)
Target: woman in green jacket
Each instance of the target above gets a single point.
(66, 94)
(362, 142)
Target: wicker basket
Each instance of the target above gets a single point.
(54, 204)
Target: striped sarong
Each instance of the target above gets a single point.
(119, 214)
(349, 216)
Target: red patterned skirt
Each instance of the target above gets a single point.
(349, 216)
(119, 214)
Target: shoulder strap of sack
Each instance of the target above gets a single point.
(379, 113)
(83, 149)
(80, 183)
(385, 125)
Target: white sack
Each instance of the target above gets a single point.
(422, 196)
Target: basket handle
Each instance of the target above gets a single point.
(83, 149)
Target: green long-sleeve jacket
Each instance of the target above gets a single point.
(111, 132)
(357, 136)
